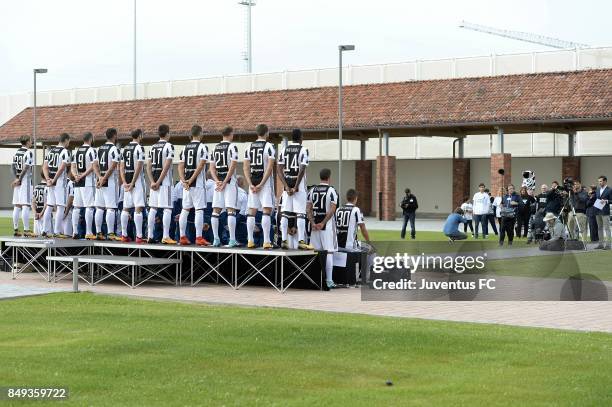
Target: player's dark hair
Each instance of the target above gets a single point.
(227, 131)
(603, 177)
(110, 133)
(135, 134)
(163, 130)
(196, 130)
(324, 174)
(24, 140)
(296, 135)
(351, 195)
(261, 129)
(87, 137)
(64, 137)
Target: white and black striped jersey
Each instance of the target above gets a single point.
(292, 157)
(258, 155)
(131, 155)
(39, 196)
(23, 157)
(84, 158)
(348, 217)
(107, 155)
(192, 155)
(322, 197)
(69, 188)
(55, 157)
(161, 152)
(223, 155)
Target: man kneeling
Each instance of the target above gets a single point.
(451, 226)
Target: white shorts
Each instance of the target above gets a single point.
(106, 197)
(261, 199)
(194, 197)
(135, 198)
(22, 194)
(228, 198)
(39, 226)
(85, 197)
(162, 198)
(56, 195)
(325, 239)
(294, 203)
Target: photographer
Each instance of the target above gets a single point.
(451, 225)
(554, 199)
(590, 213)
(409, 206)
(553, 239)
(509, 208)
(578, 200)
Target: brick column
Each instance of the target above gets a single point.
(570, 167)
(363, 185)
(461, 180)
(385, 186)
(500, 161)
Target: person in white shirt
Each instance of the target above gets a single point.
(84, 185)
(106, 167)
(467, 214)
(321, 208)
(191, 168)
(223, 171)
(258, 166)
(55, 168)
(159, 171)
(23, 160)
(480, 206)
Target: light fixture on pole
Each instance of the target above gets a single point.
(341, 48)
(34, 171)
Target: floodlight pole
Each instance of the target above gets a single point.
(135, 94)
(34, 171)
(340, 49)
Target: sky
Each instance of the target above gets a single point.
(87, 43)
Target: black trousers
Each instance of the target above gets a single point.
(506, 228)
(409, 217)
(522, 224)
(491, 219)
(469, 224)
(593, 229)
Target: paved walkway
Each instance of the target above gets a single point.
(583, 316)
(8, 290)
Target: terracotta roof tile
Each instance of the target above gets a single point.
(465, 101)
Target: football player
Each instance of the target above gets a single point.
(55, 168)
(39, 206)
(84, 185)
(133, 183)
(106, 167)
(348, 218)
(23, 160)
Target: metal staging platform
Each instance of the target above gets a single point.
(236, 267)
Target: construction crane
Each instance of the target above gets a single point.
(522, 36)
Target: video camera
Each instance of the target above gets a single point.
(568, 185)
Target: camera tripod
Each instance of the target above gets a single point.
(569, 205)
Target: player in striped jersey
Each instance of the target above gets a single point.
(23, 160)
(192, 174)
(39, 206)
(55, 168)
(133, 185)
(107, 192)
(348, 219)
(84, 185)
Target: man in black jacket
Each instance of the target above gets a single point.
(578, 200)
(409, 206)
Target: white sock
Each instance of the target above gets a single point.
(138, 223)
(167, 219)
(16, 216)
(329, 266)
(151, 222)
(25, 217)
(89, 217)
(199, 222)
(301, 228)
(110, 220)
(99, 219)
(47, 220)
(250, 227)
(76, 214)
(266, 222)
(67, 223)
(125, 218)
(59, 220)
(214, 223)
(183, 222)
(284, 226)
(231, 224)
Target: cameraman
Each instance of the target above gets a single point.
(578, 199)
(554, 199)
(409, 206)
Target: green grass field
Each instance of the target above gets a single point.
(117, 351)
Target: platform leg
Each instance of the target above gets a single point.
(75, 275)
